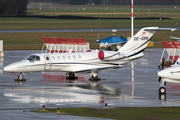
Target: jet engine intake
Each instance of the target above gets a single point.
(109, 55)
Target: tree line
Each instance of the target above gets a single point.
(114, 2)
(70, 2)
(12, 7)
(18, 7)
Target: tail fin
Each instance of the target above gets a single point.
(139, 42)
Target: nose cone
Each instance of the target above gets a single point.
(12, 67)
(165, 73)
(8, 68)
(161, 73)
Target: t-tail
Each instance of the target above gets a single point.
(140, 40)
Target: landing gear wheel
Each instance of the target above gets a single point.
(162, 90)
(20, 78)
(71, 76)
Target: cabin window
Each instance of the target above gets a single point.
(74, 57)
(53, 57)
(79, 57)
(47, 58)
(33, 58)
(64, 58)
(58, 58)
(69, 57)
(37, 58)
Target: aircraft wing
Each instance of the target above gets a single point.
(175, 38)
(99, 69)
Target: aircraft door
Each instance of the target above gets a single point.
(47, 62)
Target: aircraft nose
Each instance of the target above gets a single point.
(7, 69)
(161, 73)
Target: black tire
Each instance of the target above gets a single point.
(162, 90)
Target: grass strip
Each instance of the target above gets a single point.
(32, 41)
(123, 113)
(45, 23)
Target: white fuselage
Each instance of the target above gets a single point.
(171, 74)
(68, 62)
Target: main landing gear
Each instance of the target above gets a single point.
(20, 79)
(71, 76)
(94, 76)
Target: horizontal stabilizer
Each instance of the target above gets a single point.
(175, 38)
(155, 29)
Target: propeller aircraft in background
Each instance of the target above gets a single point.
(112, 41)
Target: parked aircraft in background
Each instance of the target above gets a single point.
(170, 74)
(86, 61)
(112, 41)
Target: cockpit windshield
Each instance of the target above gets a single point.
(33, 58)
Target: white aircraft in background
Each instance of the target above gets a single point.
(171, 74)
(86, 61)
(178, 39)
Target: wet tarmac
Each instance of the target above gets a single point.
(118, 88)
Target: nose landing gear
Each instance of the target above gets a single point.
(94, 79)
(162, 91)
(20, 78)
(94, 76)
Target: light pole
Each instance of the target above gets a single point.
(132, 18)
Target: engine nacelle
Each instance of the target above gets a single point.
(109, 55)
(101, 55)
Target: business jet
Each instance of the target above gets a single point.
(171, 74)
(86, 61)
